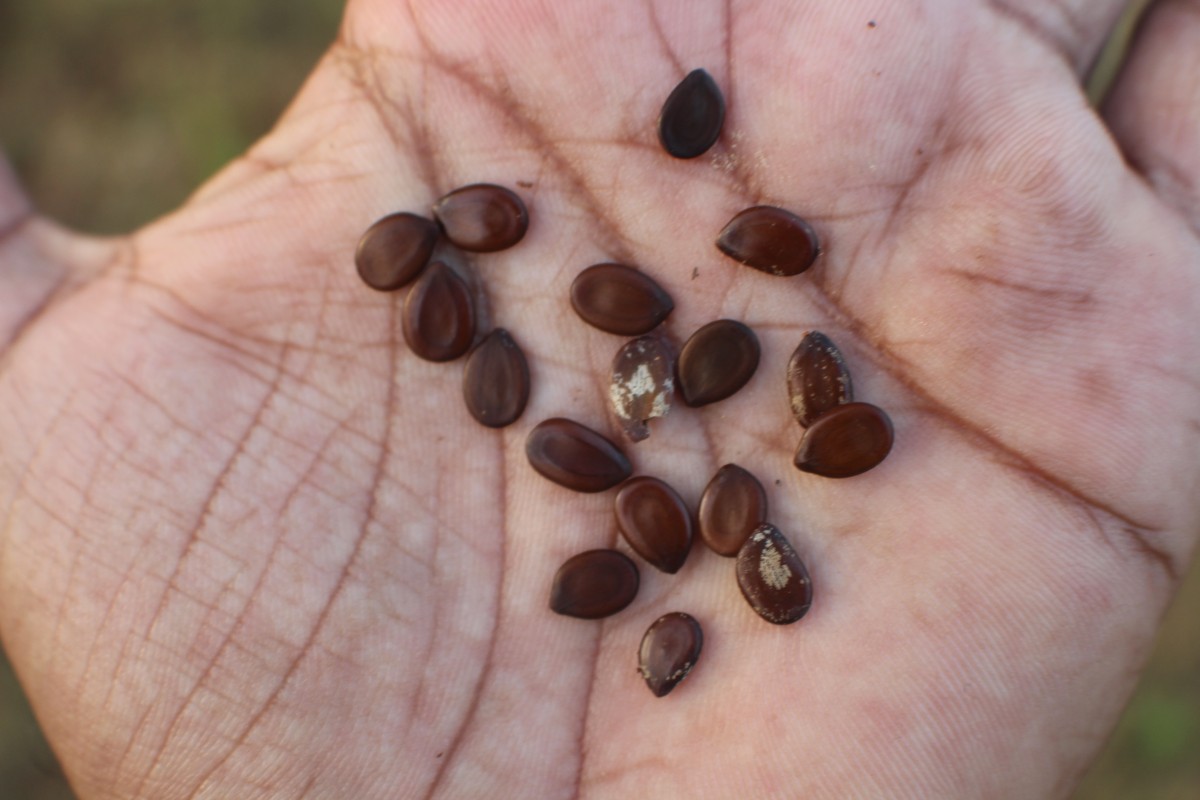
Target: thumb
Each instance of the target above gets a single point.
(39, 261)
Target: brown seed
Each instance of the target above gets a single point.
(770, 239)
(817, 378)
(439, 315)
(482, 217)
(772, 577)
(655, 521)
(717, 361)
(847, 441)
(643, 384)
(594, 584)
(733, 505)
(692, 117)
(575, 456)
(394, 250)
(496, 380)
(619, 299)
(670, 648)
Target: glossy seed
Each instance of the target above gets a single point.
(655, 521)
(772, 577)
(717, 361)
(619, 299)
(733, 505)
(643, 384)
(575, 456)
(496, 380)
(817, 378)
(692, 117)
(438, 319)
(847, 441)
(770, 239)
(482, 217)
(394, 250)
(594, 584)
(670, 648)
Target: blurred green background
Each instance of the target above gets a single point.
(113, 111)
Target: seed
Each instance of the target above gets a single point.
(733, 505)
(619, 299)
(439, 315)
(496, 380)
(717, 361)
(817, 378)
(594, 584)
(394, 250)
(846, 441)
(772, 577)
(770, 239)
(482, 217)
(643, 384)
(655, 521)
(669, 650)
(692, 117)
(575, 456)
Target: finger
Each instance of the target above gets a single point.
(1154, 109)
(39, 261)
(1076, 29)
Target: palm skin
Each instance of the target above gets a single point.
(255, 548)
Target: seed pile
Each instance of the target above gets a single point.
(841, 437)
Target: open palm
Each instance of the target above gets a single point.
(253, 547)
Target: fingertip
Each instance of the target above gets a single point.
(1153, 110)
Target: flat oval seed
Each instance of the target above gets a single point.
(655, 521)
(733, 505)
(496, 380)
(670, 648)
(394, 250)
(482, 217)
(847, 441)
(692, 117)
(817, 378)
(575, 456)
(717, 361)
(594, 584)
(770, 239)
(619, 299)
(438, 319)
(643, 384)
(772, 577)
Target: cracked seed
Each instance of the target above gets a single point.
(643, 384)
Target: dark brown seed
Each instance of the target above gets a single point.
(619, 299)
(669, 650)
(717, 361)
(847, 441)
(643, 384)
(394, 250)
(576, 457)
(655, 521)
(594, 584)
(482, 217)
(439, 315)
(496, 380)
(772, 577)
(733, 505)
(817, 378)
(692, 117)
(770, 239)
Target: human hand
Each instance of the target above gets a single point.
(253, 547)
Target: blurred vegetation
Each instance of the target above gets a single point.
(113, 111)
